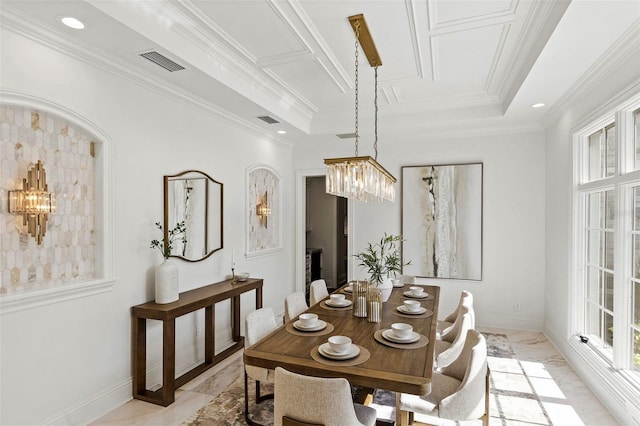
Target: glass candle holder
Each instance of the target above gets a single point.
(360, 289)
(374, 304)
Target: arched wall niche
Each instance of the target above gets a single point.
(75, 258)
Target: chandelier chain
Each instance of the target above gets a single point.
(357, 30)
(375, 117)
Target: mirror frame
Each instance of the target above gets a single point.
(167, 178)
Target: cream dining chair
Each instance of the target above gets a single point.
(466, 298)
(449, 347)
(294, 304)
(317, 291)
(458, 392)
(306, 400)
(258, 324)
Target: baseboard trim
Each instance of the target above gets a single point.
(108, 400)
(509, 323)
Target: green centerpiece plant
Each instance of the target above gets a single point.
(382, 259)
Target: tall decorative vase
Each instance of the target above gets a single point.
(167, 282)
(386, 287)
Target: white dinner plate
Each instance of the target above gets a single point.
(391, 336)
(404, 310)
(424, 295)
(320, 326)
(348, 289)
(344, 304)
(326, 351)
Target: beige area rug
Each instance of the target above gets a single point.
(510, 403)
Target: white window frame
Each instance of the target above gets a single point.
(623, 182)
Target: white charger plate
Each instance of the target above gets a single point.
(391, 336)
(423, 296)
(404, 310)
(326, 351)
(320, 326)
(335, 305)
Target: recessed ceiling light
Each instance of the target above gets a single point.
(538, 105)
(282, 132)
(72, 22)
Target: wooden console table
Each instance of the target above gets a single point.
(189, 301)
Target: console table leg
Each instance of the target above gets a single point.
(140, 356)
(235, 318)
(209, 331)
(168, 361)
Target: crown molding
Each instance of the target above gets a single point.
(541, 21)
(627, 46)
(22, 24)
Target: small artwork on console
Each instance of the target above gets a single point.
(442, 221)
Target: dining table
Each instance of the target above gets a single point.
(385, 365)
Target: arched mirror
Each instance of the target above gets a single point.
(195, 198)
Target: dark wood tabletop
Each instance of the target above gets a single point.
(400, 370)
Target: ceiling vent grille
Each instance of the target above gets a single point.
(162, 61)
(268, 119)
(346, 135)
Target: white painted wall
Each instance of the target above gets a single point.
(513, 217)
(70, 362)
(599, 93)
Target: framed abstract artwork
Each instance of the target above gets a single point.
(442, 221)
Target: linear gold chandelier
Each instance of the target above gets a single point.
(361, 178)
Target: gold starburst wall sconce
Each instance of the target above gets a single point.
(34, 202)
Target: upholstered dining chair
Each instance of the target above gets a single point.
(306, 400)
(294, 304)
(450, 346)
(317, 291)
(407, 279)
(458, 392)
(258, 324)
(466, 298)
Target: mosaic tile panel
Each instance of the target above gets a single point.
(67, 252)
(262, 238)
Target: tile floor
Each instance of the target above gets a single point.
(564, 398)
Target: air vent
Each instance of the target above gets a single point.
(162, 61)
(346, 135)
(268, 119)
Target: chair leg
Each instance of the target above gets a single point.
(402, 416)
(259, 398)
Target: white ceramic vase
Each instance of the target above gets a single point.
(386, 287)
(167, 282)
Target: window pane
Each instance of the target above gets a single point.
(636, 121)
(596, 156)
(608, 250)
(608, 291)
(636, 349)
(610, 213)
(593, 284)
(636, 256)
(608, 329)
(611, 150)
(636, 208)
(595, 204)
(636, 304)
(593, 319)
(595, 248)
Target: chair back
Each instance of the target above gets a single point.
(317, 291)
(466, 299)
(407, 279)
(468, 401)
(461, 326)
(258, 324)
(450, 333)
(312, 400)
(294, 304)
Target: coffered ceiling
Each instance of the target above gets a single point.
(468, 63)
